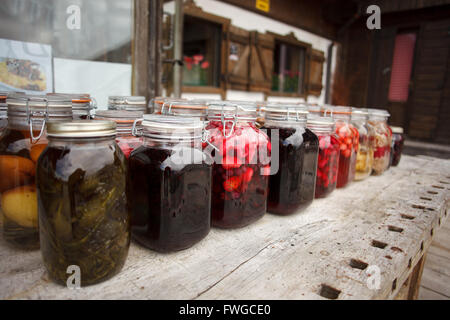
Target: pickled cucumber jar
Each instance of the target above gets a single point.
(348, 140)
(241, 164)
(83, 105)
(20, 147)
(381, 140)
(364, 155)
(397, 145)
(81, 190)
(3, 112)
(294, 163)
(124, 126)
(328, 158)
(170, 184)
(128, 103)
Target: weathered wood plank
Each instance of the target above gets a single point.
(280, 257)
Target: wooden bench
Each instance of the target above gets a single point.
(376, 229)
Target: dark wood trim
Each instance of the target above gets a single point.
(146, 48)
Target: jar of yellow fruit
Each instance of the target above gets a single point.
(364, 155)
(20, 147)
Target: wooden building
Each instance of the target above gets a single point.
(403, 67)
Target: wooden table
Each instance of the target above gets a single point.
(331, 250)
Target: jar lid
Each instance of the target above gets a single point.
(398, 130)
(360, 113)
(230, 110)
(81, 129)
(182, 108)
(172, 127)
(285, 112)
(378, 113)
(119, 115)
(129, 103)
(320, 121)
(37, 106)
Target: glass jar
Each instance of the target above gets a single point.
(128, 103)
(364, 155)
(328, 159)
(241, 164)
(82, 104)
(3, 112)
(83, 215)
(348, 142)
(20, 147)
(294, 164)
(397, 145)
(159, 103)
(182, 108)
(170, 184)
(124, 126)
(381, 140)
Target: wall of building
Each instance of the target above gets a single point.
(252, 21)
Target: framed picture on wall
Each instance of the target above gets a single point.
(25, 67)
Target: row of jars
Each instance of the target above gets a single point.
(166, 177)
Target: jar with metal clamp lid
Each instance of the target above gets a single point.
(364, 155)
(83, 105)
(83, 215)
(20, 147)
(124, 126)
(170, 184)
(158, 103)
(241, 167)
(381, 140)
(328, 158)
(294, 162)
(348, 140)
(128, 103)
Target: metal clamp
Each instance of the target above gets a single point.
(134, 130)
(30, 120)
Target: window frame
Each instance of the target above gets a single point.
(292, 40)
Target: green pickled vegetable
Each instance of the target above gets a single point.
(83, 213)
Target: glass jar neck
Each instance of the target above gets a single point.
(170, 144)
(321, 129)
(286, 123)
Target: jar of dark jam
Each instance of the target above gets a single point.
(82, 104)
(397, 145)
(124, 126)
(170, 184)
(3, 112)
(294, 163)
(241, 167)
(364, 155)
(381, 140)
(348, 141)
(328, 159)
(81, 190)
(20, 147)
(128, 103)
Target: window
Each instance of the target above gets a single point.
(402, 67)
(291, 61)
(201, 52)
(91, 57)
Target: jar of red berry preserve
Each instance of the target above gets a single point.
(82, 104)
(397, 145)
(364, 155)
(128, 103)
(328, 159)
(169, 189)
(124, 128)
(241, 166)
(381, 140)
(3, 115)
(348, 140)
(294, 162)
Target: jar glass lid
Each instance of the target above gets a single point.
(398, 130)
(172, 127)
(119, 115)
(38, 106)
(230, 110)
(378, 113)
(182, 108)
(132, 100)
(360, 113)
(81, 129)
(285, 112)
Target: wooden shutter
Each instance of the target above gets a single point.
(261, 61)
(238, 53)
(315, 72)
